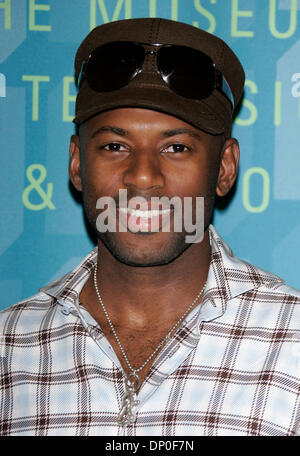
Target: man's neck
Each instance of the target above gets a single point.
(133, 295)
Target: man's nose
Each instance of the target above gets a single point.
(144, 172)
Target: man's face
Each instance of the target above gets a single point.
(149, 154)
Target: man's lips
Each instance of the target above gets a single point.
(144, 220)
(144, 213)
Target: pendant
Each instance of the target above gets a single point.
(127, 415)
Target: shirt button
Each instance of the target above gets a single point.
(65, 310)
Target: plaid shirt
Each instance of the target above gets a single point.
(232, 368)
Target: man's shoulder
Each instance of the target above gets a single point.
(284, 289)
(239, 277)
(276, 302)
(38, 302)
(270, 288)
(272, 285)
(30, 310)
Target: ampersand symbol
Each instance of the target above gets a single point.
(35, 184)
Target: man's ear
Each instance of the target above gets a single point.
(74, 164)
(228, 167)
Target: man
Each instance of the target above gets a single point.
(153, 334)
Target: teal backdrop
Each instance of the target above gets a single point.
(43, 234)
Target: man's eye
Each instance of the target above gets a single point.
(176, 148)
(114, 147)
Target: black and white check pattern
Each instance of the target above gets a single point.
(232, 368)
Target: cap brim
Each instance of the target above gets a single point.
(157, 99)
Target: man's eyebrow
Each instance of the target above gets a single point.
(168, 133)
(111, 129)
(182, 131)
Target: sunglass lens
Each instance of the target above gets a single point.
(113, 65)
(187, 72)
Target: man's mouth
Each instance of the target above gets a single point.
(144, 213)
(144, 220)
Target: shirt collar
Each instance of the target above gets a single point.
(66, 289)
(228, 277)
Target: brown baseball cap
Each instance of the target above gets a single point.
(212, 114)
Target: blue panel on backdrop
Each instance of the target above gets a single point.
(13, 22)
(12, 157)
(287, 134)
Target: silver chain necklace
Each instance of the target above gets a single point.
(132, 381)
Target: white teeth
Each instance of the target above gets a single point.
(143, 214)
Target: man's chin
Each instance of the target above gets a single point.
(147, 252)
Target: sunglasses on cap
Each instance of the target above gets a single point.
(186, 71)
